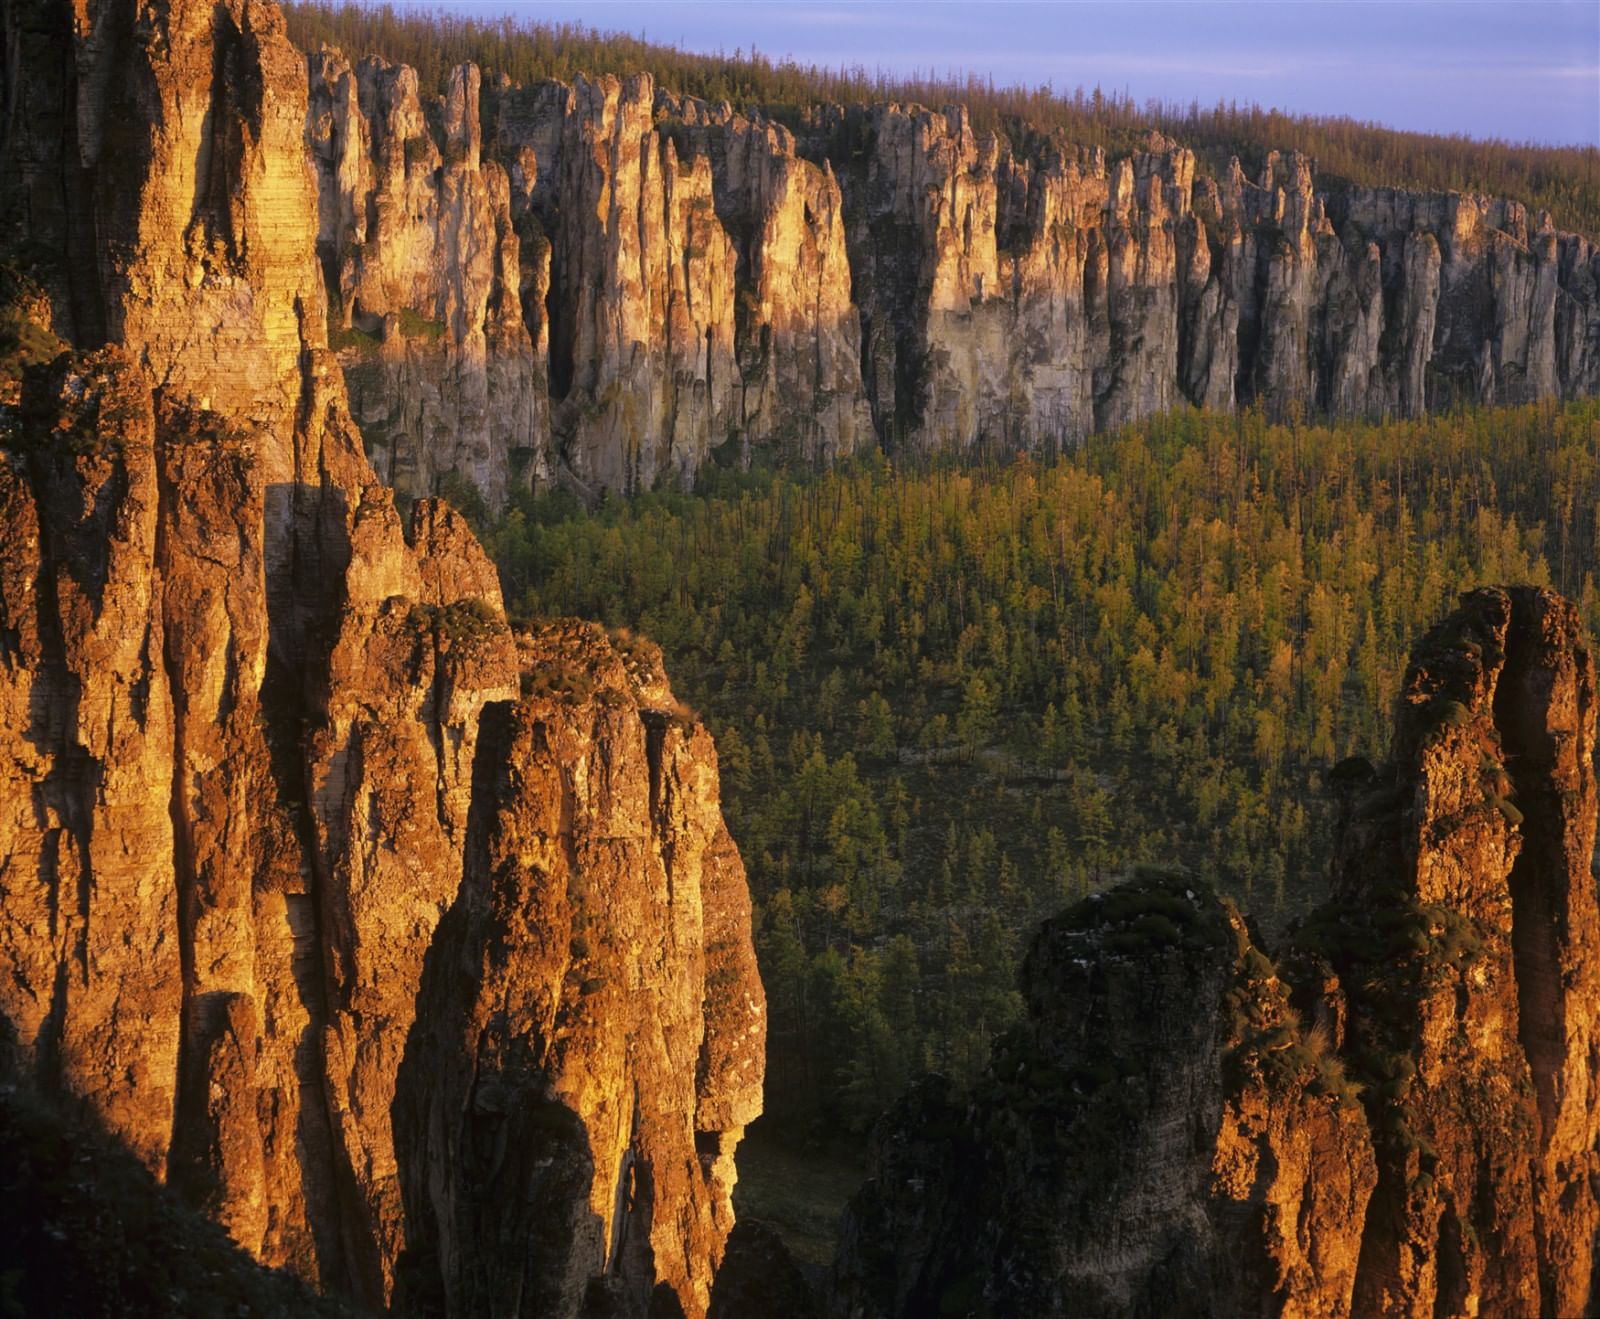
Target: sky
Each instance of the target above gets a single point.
(1523, 70)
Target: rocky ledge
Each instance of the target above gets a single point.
(602, 283)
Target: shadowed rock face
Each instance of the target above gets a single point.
(312, 871)
(1396, 1117)
(687, 275)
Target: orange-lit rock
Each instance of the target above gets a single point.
(253, 748)
(419, 247)
(590, 1017)
(1461, 928)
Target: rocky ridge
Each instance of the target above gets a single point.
(426, 281)
(411, 949)
(688, 275)
(1395, 1116)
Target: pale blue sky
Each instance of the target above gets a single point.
(1522, 71)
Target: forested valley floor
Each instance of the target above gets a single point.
(951, 697)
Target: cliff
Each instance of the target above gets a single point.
(410, 949)
(607, 282)
(1395, 1116)
(425, 278)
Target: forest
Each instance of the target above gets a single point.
(951, 696)
(1565, 180)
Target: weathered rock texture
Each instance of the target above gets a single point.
(1471, 860)
(1105, 1166)
(425, 277)
(888, 275)
(546, 1060)
(295, 834)
(1398, 1117)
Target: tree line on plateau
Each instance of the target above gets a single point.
(1565, 180)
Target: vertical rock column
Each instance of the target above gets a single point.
(1459, 934)
(1545, 708)
(241, 708)
(93, 977)
(589, 1039)
(419, 248)
(798, 333)
(642, 298)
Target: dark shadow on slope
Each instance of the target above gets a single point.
(304, 535)
(86, 1230)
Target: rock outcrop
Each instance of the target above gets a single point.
(687, 276)
(760, 1277)
(1107, 1162)
(1023, 297)
(425, 278)
(1461, 933)
(1397, 1116)
(331, 898)
(546, 1059)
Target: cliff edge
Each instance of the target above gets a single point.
(602, 283)
(411, 949)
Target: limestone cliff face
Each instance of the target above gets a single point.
(797, 330)
(1024, 297)
(547, 1061)
(688, 275)
(1025, 301)
(275, 774)
(419, 248)
(642, 287)
(700, 290)
(1396, 1117)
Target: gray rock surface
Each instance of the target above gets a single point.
(617, 281)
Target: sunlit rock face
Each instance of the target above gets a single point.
(608, 283)
(329, 896)
(426, 274)
(1485, 830)
(700, 292)
(1398, 1116)
(590, 1035)
(1027, 298)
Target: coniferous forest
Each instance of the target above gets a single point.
(949, 698)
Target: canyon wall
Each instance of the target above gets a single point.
(411, 949)
(690, 278)
(1397, 1116)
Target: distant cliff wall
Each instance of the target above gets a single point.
(609, 281)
